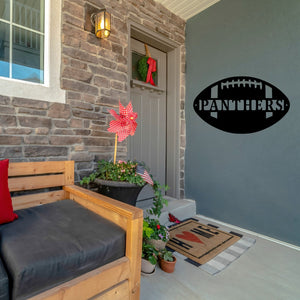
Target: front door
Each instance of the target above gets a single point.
(149, 142)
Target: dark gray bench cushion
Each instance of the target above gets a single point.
(54, 243)
(4, 287)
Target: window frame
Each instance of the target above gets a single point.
(49, 90)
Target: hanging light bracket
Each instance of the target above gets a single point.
(97, 20)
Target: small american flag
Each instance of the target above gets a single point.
(144, 174)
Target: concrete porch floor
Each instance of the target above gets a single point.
(267, 271)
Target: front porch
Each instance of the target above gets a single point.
(250, 180)
(269, 270)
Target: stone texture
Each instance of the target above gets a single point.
(64, 140)
(34, 122)
(18, 131)
(59, 111)
(6, 121)
(7, 110)
(35, 139)
(28, 111)
(10, 152)
(34, 104)
(42, 131)
(45, 151)
(61, 123)
(94, 74)
(4, 100)
(10, 140)
(76, 74)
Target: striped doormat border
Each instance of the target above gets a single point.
(225, 258)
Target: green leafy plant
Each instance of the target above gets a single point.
(143, 68)
(121, 171)
(158, 201)
(150, 253)
(152, 229)
(166, 255)
(147, 230)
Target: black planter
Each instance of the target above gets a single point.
(122, 191)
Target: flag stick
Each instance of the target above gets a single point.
(116, 144)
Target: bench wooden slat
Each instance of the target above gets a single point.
(89, 284)
(26, 201)
(35, 182)
(118, 292)
(35, 168)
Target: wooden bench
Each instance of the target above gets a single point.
(117, 280)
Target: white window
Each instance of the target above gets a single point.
(22, 40)
(30, 49)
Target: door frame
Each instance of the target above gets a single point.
(172, 50)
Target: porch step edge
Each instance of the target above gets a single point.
(180, 208)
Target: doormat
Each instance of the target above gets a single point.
(199, 242)
(222, 260)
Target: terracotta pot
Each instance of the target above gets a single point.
(167, 266)
(147, 267)
(158, 244)
(123, 191)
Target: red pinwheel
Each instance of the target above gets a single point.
(125, 123)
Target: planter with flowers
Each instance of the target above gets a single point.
(119, 180)
(158, 235)
(122, 180)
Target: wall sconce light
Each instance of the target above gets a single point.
(101, 22)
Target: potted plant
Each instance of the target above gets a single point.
(157, 234)
(122, 180)
(167, 261)
(117, 180)
(149, 258)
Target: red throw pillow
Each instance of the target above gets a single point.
(6, 208)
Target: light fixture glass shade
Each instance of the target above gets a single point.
(102, 24)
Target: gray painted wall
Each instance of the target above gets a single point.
(251, 180)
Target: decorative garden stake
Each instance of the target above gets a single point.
(124, 124)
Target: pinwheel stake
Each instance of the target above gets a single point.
(123, 125)
(116, 145)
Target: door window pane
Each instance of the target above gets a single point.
(4, 49)
(4, 9)
(27, 58)
(27, 13)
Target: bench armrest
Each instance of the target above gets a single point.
(93, 199)
(130, 218)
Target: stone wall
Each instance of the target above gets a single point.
(94, 74)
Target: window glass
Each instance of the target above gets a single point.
(22, 56)
(4, 9)
(27, 58)
(4, 49)
(27, 13)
